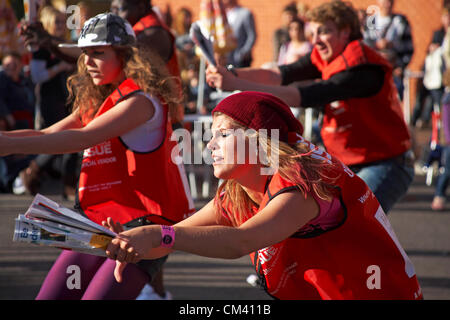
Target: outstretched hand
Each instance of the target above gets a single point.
(128, 247)
(34, 34)
(220, 78)
(120, 265)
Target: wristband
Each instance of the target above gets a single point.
(167, 236)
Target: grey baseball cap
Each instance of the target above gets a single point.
(104, 29)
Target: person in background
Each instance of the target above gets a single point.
(392, 34)
(185, 46)
(431, 86)
(362, 110)
(281, 35)
(50, 74)
(9, 34)
(190, 84)
(16, 112)
(298, 46)
(242, 23)
(182, 25)
(438, 203)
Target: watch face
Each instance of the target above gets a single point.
(167, 239)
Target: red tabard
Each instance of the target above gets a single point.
(363, 130)
(125, 185)
(360, 258)
(152, 20)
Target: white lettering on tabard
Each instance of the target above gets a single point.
(98, 150)
(363, 198)
(100, 186)
(266, 254)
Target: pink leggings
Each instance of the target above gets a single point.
(96, 279)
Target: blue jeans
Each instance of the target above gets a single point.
(443, 179)
(389, 180)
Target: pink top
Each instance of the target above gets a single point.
(290, 53)
(330, 216)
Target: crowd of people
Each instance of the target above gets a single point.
(124, 80)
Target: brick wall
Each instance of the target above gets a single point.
(424, 16)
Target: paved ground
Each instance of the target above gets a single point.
(424, 234)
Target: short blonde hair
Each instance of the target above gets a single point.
(47, 16)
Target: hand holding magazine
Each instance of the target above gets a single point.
(47, 223)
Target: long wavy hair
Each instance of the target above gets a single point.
(141, 65)
(293, 162)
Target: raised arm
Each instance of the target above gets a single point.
(253, 80)
(68, 135)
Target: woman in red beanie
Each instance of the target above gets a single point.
(352, 85)
(313, 229)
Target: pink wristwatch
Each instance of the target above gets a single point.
(167, 236)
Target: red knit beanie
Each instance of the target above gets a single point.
(258, 110)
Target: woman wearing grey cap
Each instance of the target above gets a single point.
(121, 99)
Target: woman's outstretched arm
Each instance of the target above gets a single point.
(69, 136)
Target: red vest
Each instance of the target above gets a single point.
(360, 258)
(126, 185)
(152, 20)
(363, 130)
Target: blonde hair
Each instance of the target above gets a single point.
(141, 65)
(47, 16)
(294, 164)
(59, 4)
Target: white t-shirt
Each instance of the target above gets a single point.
(149, 135)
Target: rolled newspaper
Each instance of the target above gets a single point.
(26, 231)
(46, 223)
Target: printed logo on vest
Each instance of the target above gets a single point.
(98, 150)
(266, 254)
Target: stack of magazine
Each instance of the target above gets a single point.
(47, 223)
